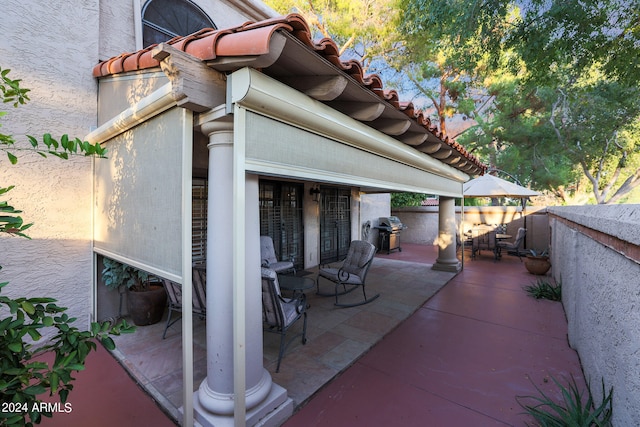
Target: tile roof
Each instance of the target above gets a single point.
(251, 44)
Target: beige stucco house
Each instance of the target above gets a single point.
(214, 139)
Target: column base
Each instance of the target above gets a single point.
(272, 411)
(454, 267)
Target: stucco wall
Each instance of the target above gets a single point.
(52, 47)
(601, 296)
(372, 207)
(422, 222)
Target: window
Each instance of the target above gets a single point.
(199, 221)
(163, 20)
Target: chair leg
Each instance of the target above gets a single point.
(282, 347)
(364, 301)
(168, 323)
(304, 329)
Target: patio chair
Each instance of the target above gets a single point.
(513, 246)
(279, 313)
(270, 259)
(483, 237)
(174, 296)
(351, 274)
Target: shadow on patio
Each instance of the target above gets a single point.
(336, 336)
(452, 356)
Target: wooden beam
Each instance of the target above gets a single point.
(194, 85)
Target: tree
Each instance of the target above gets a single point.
(598, 124)
(538, 61)
(362, 29)
(581, 34)
(445, 52)
(23, 320)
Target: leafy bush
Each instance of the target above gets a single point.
(116, 274)
(399, 200)
(22, 378)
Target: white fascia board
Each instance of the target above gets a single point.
(148, 107)
(262, 94)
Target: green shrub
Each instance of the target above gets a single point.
(543, 289)
(573, 411)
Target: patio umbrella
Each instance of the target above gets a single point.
(492, 186)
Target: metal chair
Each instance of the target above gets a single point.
(351, 274)
(270, 259)
(513, 246)
(483, 238)
(174, 294)
(279, 313)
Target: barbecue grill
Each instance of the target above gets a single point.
(389, 228)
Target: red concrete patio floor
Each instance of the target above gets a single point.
(459, 360)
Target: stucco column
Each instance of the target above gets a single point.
(447, 259)
(214, 400)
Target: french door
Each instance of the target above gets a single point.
(281, 218)
(335, 223)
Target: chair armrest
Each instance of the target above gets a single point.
(343, 275)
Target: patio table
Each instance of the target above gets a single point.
(295, 284)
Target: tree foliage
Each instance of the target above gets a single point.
(363, 29)
(562, 80)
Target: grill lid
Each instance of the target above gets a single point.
(391, 223)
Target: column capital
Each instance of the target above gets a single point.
(211, 127)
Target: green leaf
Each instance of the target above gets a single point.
(33, 141)
(15, 347)
(13, 159)
(47, 139)
(34, 390)
(108, 343)
(28, 307)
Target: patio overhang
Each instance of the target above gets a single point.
(282, 49)
(286, 108)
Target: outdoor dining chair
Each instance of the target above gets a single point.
(270, 259)
(515, 245)
(279, 313)
(351, 275)
(174, 296)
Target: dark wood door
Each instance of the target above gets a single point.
(281, 217)
(335, 223)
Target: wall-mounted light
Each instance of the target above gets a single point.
(315, 193)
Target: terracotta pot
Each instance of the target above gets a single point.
(537, 265)
(147, 307)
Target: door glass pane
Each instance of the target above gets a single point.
(281, 217)
(335, 223)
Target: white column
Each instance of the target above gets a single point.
(447, 259)
(214, 400)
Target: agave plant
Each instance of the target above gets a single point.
(575, 410)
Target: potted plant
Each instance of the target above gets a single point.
(537, 262)
(146, 300)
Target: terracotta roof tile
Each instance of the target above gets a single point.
(253, 38)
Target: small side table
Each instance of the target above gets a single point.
(295, 284)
